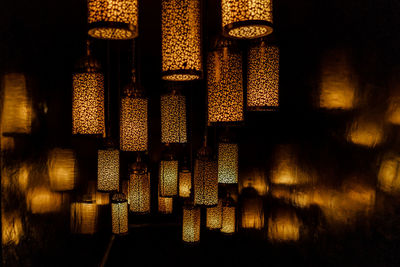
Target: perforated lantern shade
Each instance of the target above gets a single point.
(62, 169)
(185, 183)
(165, 204)
(228, 219)
(168, 178)
(181, 40)
(191, 224)
(139, 192)
(119, 214)
(113, 19)
(205, 182)
(225, 86)
(228, 163)
(173, 119)
(263, 77)
(247, 19)
(214, 217)
(108, 170)
(134, 123)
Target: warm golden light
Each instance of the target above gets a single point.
(191, 224)
(61, 165)
(365, 132)
(108, 170)
(389, 174)
(228, 163)
(16, 106)
(173, 118)
(7, 143)
(168, 178)
(225, 86)
(100, 198)
(247, 19)
(284, 226)
(255, 178)
(181, 40)
(252, 213)
(139, 190)
(113, 19)
(11, 228)
(263, 77)
(228, 219)
(185, 183)
(41, 200)
(119, 214)
(165, 204)
(84, 216)
(214, 217)
(205, 179)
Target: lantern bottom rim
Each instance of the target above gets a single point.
(181, 75)
(112, 30)
(249, 29)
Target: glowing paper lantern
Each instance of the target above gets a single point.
(173, 118)
(191, 224)
(88, 98)
(16, 107)
(41, 200)
(247, 19)
(168, 178)
(113, 19)
(108, 170)
(225, 86)
(228, 219)
(284, 226)
(389, 174)
(181, 40)
(228, 163)
(366, 132)
(263, 77)
(84, 216)
(133, 120)
(139, 188)
(119, 214)
(214, 217)
(185, 183)
(62, 170)
(205, 179)
(11, 228)
(252, 210)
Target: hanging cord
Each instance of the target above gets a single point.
(108, 91)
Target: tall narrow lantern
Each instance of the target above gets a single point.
(119, 214)
(225, 85)
(247, 19)
(205, 178)
(214, 217)
(88, 98)
(228, 217)
(181, 40)
(113, 19)
(169, 177)
(16, 107)
(62, 169)
(133, 119)
(263, 77)
(173, 118)
(139, 188)
(185, 182)
(228, 163)
(108, 169)
(191, 224)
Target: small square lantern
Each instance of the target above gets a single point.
(119, 214)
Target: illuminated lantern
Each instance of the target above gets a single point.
(133, 119)
(113, 19)
(181, 40)
(41, 200)
(284, 226)
(228, 163)
(139, 188)
(389, 174)
(191, 224)
(228, 217)
(11, 228)
(119, 214)
(214, 217)
(84, 216)
(88, 98)
(185, 182)
(252, 210)
(165, 204)
(169, 178)
(205, 178)
(247, 19)
(108, 170)
(225, 85)
(6, 142)
(263, 77)
(255, 178)
(100, 198)
(173, 118)
(366, 132)
(62, 169)
(16, 106)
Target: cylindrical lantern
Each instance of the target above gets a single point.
(42, 200)
(165, 204)
(191, 224)
(84, 216)
(228, 218)
(113, 19)
(181, 40)
(389, 174)
(133, 120)
(173, 118)
(252, 210)
(263, 77)
(139, 188)
(88, 98)
(108, 170)
(247, 19)
(366, 131)
(225, 85)
(205, 179)
(228, 163)
(62, 169)
(16, 107)
(119, 214)
(214, 217)
(185, 183)
(168, 178)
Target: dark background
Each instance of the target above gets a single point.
(44, 40)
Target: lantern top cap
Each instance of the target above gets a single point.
(138, 167)
(88, 64)
(119, 198)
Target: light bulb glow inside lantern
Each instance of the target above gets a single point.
(191, 224)
(168, 178)
(228, 163)
(62, 169)
(173, 119)
(108, 170)
(119, 214)
(185, 183)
